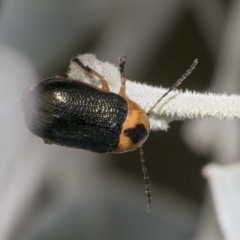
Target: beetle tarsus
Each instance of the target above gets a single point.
(86, 68)
(94, 73)
(57, 76)
(121, 65)
(46, 141)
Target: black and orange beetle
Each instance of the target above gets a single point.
(75, 114)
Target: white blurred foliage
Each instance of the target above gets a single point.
(224, 183)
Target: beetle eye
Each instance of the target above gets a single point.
(137, 133)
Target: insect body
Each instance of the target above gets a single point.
(75, 114)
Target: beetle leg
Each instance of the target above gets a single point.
(121, 64)
(57, 76)
(91, 71)
(46, 141)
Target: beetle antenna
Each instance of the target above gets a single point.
(147, 182)
(121, 65)
(175, 85)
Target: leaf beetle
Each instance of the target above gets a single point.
(75, 114)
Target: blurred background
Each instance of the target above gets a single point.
(51, 192)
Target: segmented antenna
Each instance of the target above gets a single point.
(121, 65)
(175, 85)
(147, 182)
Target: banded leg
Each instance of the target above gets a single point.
(91, 71)
(121, 64)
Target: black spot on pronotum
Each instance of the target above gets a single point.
(137, 133)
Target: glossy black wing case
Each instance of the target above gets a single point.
(74, 114)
